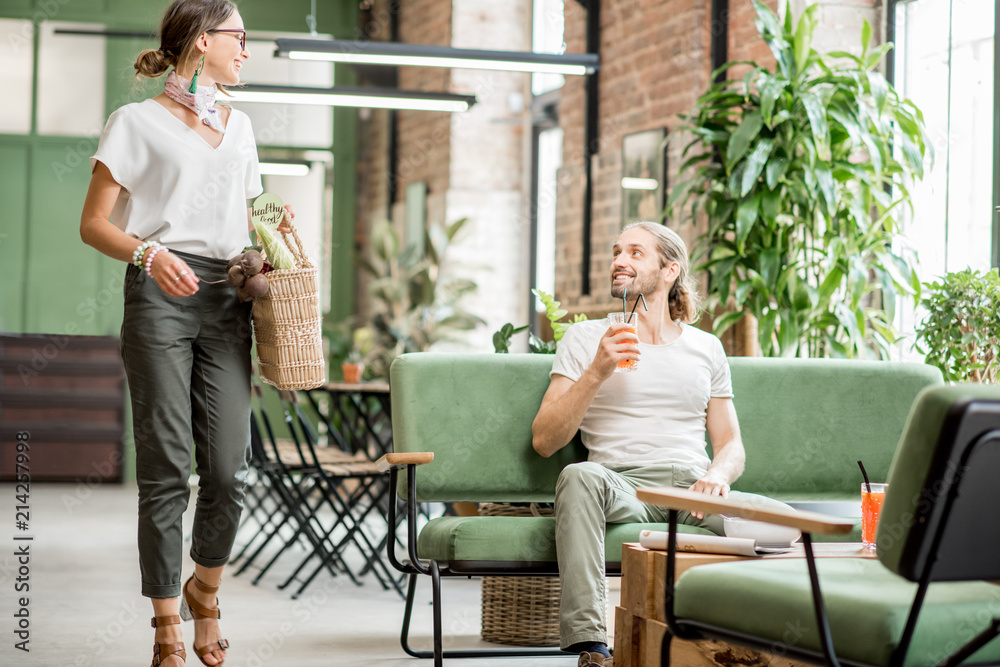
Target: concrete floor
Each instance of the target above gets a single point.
(85, 608)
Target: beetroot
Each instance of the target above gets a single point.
(236, 276)
(256, 286)
(251, 263)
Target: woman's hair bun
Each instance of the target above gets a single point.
(152, 63)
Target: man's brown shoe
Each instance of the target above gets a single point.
(594, 660)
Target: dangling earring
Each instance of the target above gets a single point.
(194, 79)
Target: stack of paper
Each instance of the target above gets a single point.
(713, 544)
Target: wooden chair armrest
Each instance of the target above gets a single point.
(692, 501)
(399, 460)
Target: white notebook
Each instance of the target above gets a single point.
(713, 544)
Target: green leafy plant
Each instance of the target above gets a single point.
(794, 169)
(961, 333)
(554, 313)
(417, 302)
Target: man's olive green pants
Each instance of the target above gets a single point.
(187, 360)
(590, 495)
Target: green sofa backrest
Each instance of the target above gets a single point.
(805, 423)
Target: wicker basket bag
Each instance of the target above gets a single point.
(287, 325)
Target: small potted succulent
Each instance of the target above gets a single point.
(353, 366)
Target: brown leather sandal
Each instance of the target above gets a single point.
(190, 609)
(163, 651)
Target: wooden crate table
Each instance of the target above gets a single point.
(640, 619)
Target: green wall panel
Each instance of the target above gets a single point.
(13, 233)
(69, 287)
(15, 7)
(121, 86)
(144, 14)
(56, 284)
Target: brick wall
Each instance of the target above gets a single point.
(655, 64)
(424, 137)
(474, 164)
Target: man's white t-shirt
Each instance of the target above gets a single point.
(656, 413)
(176, 188)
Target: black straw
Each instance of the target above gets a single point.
(865, 475)
(629, 318)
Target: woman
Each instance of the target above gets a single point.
(168, 194)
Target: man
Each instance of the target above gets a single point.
(641, 428)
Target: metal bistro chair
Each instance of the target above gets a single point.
(927, 600)
(265, 505)
(354, 490)
(294, 482)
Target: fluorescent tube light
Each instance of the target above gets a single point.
(420, 55)
(640, 183)
(284, 167)
(373, 98)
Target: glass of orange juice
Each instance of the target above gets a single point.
(871, 509)
(631, 319)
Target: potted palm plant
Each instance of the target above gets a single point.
(800, 171)
(415, 301)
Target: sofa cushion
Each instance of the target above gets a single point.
(514, 538)
(772, 599)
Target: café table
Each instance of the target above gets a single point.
(357, 416)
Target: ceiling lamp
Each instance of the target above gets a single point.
(283, 167)
(344, 96)
(420, 55)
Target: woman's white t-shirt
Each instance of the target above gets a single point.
(655, 414)
(176, 188)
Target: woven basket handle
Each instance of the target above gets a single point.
(297, 250)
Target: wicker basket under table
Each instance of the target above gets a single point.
(523, 611)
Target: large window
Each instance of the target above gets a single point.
(944, 63)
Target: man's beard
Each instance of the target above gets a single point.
(645, 285)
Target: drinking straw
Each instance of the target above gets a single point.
(624, 296)
(645, 307)
(865, 475)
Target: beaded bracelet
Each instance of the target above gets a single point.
(137, 255)
(152, 254)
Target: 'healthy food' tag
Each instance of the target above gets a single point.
(268, 210)
(266, 214)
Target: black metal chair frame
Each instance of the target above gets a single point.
(263, 490)
(955, 469)
(350, 506)
(415, 566)
(295, 485)
(354, 430)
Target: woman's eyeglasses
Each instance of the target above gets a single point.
(242, 35)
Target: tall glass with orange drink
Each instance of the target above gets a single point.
(871, 510)
(632, 320)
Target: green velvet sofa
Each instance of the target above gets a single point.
(805, 424)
